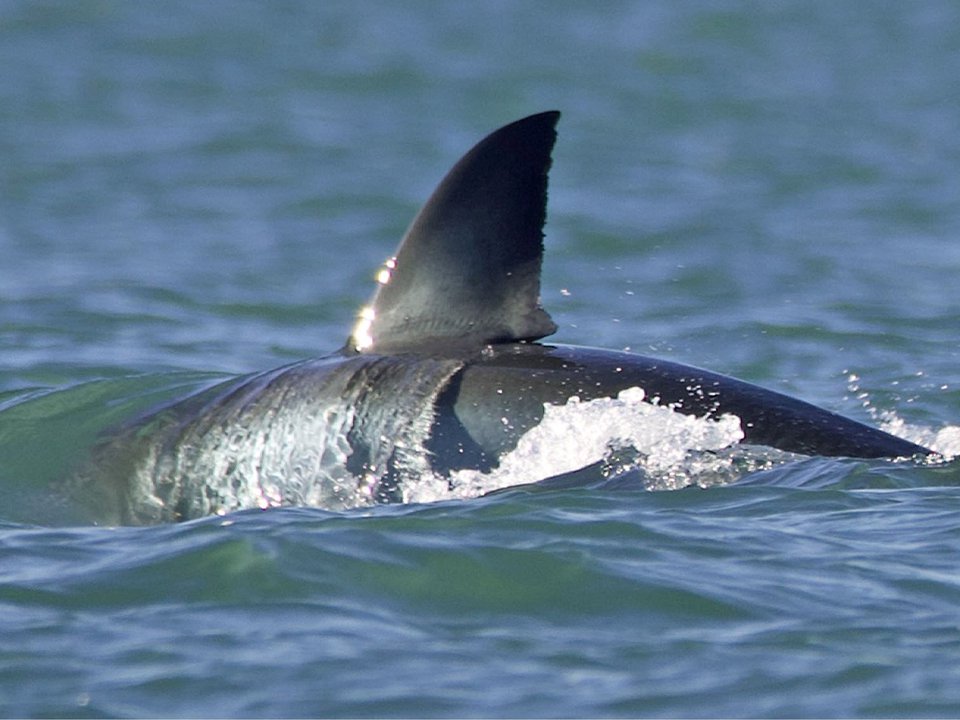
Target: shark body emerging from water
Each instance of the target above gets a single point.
(444, 370)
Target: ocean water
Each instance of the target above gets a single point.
(194, 190)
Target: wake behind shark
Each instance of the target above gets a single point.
(442, 372)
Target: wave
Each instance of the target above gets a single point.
(606, 443)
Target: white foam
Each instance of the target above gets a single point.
(670, 447)
(945, 441)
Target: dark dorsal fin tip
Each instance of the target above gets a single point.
(467, 272)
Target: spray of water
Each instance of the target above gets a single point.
(945, 440)
(671, 449)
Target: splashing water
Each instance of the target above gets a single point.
(672, 449)
(945, 440)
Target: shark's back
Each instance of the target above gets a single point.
(442, 370)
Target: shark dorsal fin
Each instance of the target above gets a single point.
(467, 272)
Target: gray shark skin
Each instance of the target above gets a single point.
(442, 371)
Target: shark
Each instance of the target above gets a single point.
(445, 369)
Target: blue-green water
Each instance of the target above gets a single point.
(764, 189)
